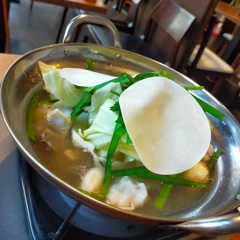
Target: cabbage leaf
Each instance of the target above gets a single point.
(58, 87)
(101, 131)
(99, 97)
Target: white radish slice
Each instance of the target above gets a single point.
(168, 128)
(83, 77)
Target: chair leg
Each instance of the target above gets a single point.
(61, 24)
(31, 5)
(218, 84)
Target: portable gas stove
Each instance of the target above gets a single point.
(32, 208)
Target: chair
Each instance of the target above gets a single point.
(203, 11)
(226, 38)
(123, 13)
(205, 66)
(166, 25)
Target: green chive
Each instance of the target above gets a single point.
(142, 76)
(121, 79)
(208, 108)
(98, 197)
(30, 115)
(129, 171)
(118, 132)
(171, 180)
(128, 140)
(48, 102)
(214, 159)
(163, 195)
(193, 87)
(130, 78)
(90, 64)
(79, 108)
(143, 172)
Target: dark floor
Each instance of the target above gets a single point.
(36, 27)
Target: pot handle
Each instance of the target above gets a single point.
(221, 225)
(96, 20)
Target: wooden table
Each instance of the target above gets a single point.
(7, 144)
(5, 61)
(98, 6)
(86, 5)
(231, 13)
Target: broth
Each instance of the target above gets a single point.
(70, 164)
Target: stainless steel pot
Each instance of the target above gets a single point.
(22, 79)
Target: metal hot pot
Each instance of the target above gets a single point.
(215, 213)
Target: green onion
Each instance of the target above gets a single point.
(79, 108)
(142, 172)
(118, 132)
(30, 115)
(166, 75)
(48, 102)
(214, 159)
(121, 79)
(128, 140)
(142, 76)
(208, 108)
(131, 79)
(172, 180)
(116, 93)
(98, 197)
(85, 89)
(129, 171)
(115, 107)
(193, 87)
(90, 64)
(120, 121)
(163, 195)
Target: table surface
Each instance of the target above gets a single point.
(7, 144)
(98, 6)
(5, 61)
(229, 11)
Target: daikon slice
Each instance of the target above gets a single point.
(83, 77)
(168, 128)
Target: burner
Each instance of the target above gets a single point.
(52, 215)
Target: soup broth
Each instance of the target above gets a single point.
(69, 163)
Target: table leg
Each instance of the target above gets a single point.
(2, 27)
(62, 23)
(233, 48)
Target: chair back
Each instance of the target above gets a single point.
(202, 10)
(123, 13)
(167, 25)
